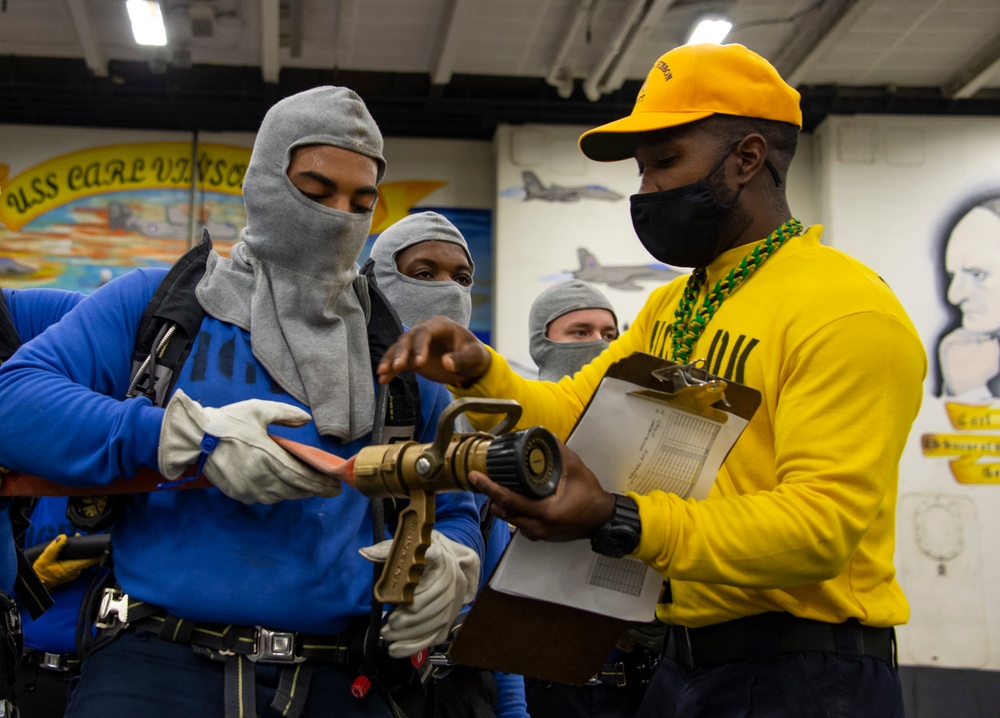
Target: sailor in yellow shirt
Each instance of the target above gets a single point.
(781, 587)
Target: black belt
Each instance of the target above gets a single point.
(256, 643)
(633, 669)
(240, 647)
(119, 611)
(769, 635)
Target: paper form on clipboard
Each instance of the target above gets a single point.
(651, 425)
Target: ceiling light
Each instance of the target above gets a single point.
(712, 31)
(147, 22)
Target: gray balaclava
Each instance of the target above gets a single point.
(558, 359)
(289, 282)
(416, 299)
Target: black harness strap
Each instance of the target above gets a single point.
(31, 592)
(293, 688)
(240, 688)
(384, 328)
(169, 325)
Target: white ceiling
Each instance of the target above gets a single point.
(584, 50)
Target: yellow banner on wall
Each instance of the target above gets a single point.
(112, 168)
(971, 449)
(966, 416)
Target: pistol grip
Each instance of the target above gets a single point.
(405, 564)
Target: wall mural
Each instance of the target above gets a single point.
(967, 354)
(625, 277)
(534, 189)
(77, 220)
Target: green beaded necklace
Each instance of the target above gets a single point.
(689, 324)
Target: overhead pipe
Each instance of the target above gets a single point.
(592, 85)
(614, 77)
(560, 76)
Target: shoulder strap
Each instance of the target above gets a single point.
(384, 328)
(9, 340)
(169, 325)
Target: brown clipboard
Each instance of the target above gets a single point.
(553, 642)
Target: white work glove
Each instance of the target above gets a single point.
(450, 580)
(245, 463)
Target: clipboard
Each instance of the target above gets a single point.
(562, 642)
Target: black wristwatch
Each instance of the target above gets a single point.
(619, 536)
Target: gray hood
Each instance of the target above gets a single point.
(415, 299)
(558, 359)
(289, 283)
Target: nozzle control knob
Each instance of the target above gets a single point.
(525, 461)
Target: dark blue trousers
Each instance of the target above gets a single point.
(139, 674)
(796, 685)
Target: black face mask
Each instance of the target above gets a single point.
(682, 226)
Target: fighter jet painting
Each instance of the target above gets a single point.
(534, 189)
(622, 276)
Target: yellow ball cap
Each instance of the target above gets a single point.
(690, 83)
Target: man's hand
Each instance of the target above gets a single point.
(438, 349)
(449, 581)
(53, 571)
(578, 507)
(240, 458)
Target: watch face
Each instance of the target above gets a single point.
(620, 536)
(619, 546)
(615, 541)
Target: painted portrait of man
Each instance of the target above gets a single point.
(968, 352)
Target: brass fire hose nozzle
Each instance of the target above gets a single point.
(525, 461)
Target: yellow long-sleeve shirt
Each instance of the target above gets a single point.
(802, 514)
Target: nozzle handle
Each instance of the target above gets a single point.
(434, 454)
(405, 564)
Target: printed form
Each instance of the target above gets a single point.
(632, 442)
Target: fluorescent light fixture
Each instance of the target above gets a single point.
(712, 31)
(147, 22)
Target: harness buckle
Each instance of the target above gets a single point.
(114, 609)
(12, 620)
(52, 661)
(275, 647)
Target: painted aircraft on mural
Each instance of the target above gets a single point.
(534, 189)
(9, 265)
(175, 225)
(622, 276)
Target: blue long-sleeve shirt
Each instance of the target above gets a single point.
(196, 553)
(33, 311)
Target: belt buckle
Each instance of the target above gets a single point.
(275, 647)
(114, 608)
(618, 674)
(52, 661)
